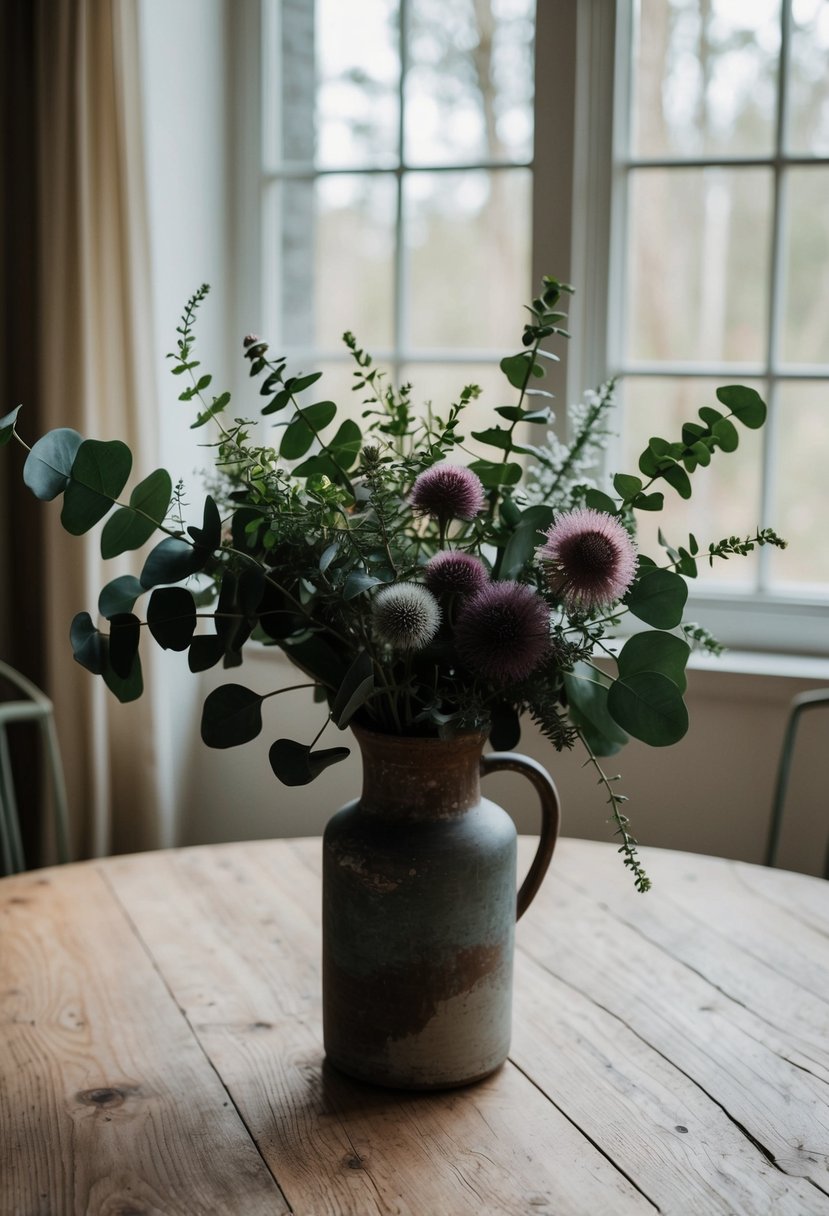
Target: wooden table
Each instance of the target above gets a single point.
(160, 1048)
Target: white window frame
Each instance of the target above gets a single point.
(763, 618)
(579, 228)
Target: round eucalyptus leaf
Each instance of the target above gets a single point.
(131, 526)
(170, 561)
(7, 425)
(346, 444)
(649, 706)
(88, 645)
(99, 473)
(746, 404)
(119, 595)
(124, 637)
(303, 429)
(658, 598)
(48, 465)
(125, 688)
(587, 692)
(231, 715)
(654, 650)
(171, 617)
(205, 651)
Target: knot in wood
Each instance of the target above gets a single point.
(104, 1097)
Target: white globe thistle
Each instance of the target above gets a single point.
(406, 616)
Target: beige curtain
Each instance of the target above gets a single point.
(95, 356)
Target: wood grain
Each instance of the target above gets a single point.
(107, 1103)
(160, 1048)
(335, 1145)
(640, 960)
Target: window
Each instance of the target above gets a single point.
(677, 175)
(719, 273)
(396, 186)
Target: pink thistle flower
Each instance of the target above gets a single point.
(588, 558)
(448, 491)
(453, 573)
(503, 632)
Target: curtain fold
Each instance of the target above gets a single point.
(93, 341)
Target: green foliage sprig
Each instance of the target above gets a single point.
(304, 532)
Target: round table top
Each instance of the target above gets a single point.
(160, 1048)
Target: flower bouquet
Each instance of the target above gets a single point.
(428, 576)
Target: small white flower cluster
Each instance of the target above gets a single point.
(564, 468)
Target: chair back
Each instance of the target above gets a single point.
(31, 706)
(801, 704)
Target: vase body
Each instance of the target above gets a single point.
(419, 909)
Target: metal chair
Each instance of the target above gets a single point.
(806, 700)
(35, 708)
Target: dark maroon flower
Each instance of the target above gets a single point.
(453, 573)
(448, 491)
(503, 632)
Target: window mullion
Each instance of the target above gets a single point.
(400, 326)
(776, 301)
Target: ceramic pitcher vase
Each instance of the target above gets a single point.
(419, 912)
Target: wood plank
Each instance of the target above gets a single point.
(244, 967)
(107, 1103)
(650, 1118)
(724, 1048)
(689, 926)
(807, 900)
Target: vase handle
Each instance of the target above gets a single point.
(550, 817)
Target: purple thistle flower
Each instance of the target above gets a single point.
(405, 616)
(588, 558)
(503, 631)
(448, 491)
(453, 573)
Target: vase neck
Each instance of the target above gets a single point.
(419, 778)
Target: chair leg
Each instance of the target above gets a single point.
(5, 842)
(50, 740)
(15, 844)
(785, 765)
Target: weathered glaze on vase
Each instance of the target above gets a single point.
(419, 910)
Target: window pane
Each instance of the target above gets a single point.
(726, 496)
(800, 511)
(467, 238)
(809, 88)
(806, 311)
(441, 383)
(699, 260)
(704, 78)
(358, 72)
(469, 85)
(330, 260)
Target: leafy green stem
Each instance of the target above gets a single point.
(628, 847)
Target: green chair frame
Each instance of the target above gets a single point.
(799, 705)
(35, 708)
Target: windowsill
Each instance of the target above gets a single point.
(760, 663)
